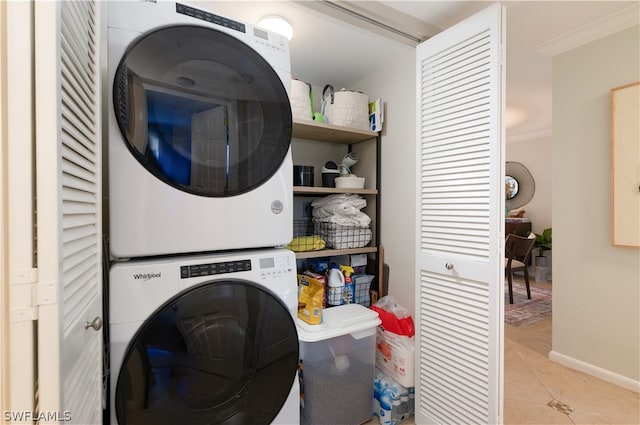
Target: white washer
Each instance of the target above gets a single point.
(199, 132)
(205, 339)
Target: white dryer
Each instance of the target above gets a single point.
(205, 340)
(199, 132)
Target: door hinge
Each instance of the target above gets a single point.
(22, 286)
(45, 293)
(27, 294)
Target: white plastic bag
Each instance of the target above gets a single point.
(395, 347)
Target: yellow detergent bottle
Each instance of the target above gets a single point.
(348, 295)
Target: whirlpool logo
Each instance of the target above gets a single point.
(147, 276)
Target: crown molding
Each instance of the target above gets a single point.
(375, 17)
(532, 135)
(601, 27)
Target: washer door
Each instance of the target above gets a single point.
(202, 111)
(222, 352)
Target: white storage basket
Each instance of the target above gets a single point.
(345, 108)
(301, 101)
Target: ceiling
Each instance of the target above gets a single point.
(330, 46)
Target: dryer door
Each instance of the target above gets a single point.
(202, 111)
(222, 352)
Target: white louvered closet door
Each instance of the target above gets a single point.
(460, 216)
(68, 185)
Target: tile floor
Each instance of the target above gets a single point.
(539, 391)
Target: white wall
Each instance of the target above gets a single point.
(596, 293)
(536, 155)
(395, 84)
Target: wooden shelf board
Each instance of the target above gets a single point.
(330, 133)
(308, 190)
(334, 252)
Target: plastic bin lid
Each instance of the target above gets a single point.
(338, 321)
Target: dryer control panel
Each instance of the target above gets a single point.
(210, 17)
(260, 39)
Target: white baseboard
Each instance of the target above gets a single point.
(589, 369)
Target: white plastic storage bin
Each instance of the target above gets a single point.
(337, 363)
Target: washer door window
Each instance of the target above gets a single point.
(202, 111)
(220, 353)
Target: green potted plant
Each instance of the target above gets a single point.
(543, 240)
(543, 245)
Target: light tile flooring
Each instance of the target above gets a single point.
(539, 391)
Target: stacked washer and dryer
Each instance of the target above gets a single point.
(201, 299)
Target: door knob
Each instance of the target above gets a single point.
(449, 266)
(96, 324)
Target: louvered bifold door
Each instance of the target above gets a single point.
(68, 155)
(460, 215)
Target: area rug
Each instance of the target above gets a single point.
(525, 311)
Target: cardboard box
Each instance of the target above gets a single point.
(357, 261)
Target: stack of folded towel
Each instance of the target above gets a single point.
(339, 221)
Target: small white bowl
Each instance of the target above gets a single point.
(350, 182)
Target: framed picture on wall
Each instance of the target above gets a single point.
(625, 165)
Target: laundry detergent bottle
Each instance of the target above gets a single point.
(335, 285)
(348, 295)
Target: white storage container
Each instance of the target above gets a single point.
(337, 362)
(349, 182)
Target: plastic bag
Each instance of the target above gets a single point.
(394, 317)
(392, 402)
(394, 341)
(310, 295)
(395, 355)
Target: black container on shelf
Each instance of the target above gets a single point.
(329, 173)
(302, 175)
(328, 178)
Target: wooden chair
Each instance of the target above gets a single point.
(516, 256)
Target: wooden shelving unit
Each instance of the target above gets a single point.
(330, 133)
(334, 252)
(305, 190)
(342, 135)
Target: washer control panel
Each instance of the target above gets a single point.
(269, 267)
(211, 269)
(277, 266)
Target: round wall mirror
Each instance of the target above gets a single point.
(519, 185)
(510, 187)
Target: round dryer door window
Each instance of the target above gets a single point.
(202, 111)
(219, 353)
